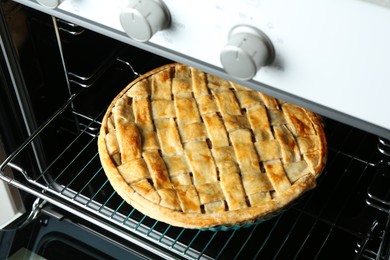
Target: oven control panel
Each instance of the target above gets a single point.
(331, 56)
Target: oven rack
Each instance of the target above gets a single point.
(73, 180)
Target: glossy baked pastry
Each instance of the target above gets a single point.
(196, 151)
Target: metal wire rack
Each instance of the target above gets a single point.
(60, 165)
(331, 220)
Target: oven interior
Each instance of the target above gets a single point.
(73, 74)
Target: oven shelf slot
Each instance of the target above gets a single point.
(378, 193)
(97, 64)
(378, 197)
(384, 146)
(70, 28)
(90, 80)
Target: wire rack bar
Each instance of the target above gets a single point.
(30, 139)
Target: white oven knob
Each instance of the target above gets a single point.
(248, 49)
(50, 3)
(141, 19)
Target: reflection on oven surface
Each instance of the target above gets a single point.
(59, 238)
(345, 216)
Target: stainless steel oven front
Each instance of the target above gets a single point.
(62, 61)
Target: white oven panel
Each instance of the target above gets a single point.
(11, 204)
(331, 53)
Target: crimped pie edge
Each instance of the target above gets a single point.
(196, 220)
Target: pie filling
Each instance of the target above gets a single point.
(194, 150)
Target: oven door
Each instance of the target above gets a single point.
(50, 235)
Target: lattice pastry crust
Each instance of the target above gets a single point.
(196, 151)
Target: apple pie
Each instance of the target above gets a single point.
(196, 151)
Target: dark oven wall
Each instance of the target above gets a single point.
(87, 56)
(84, 61)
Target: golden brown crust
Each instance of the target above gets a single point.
(196, 151)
